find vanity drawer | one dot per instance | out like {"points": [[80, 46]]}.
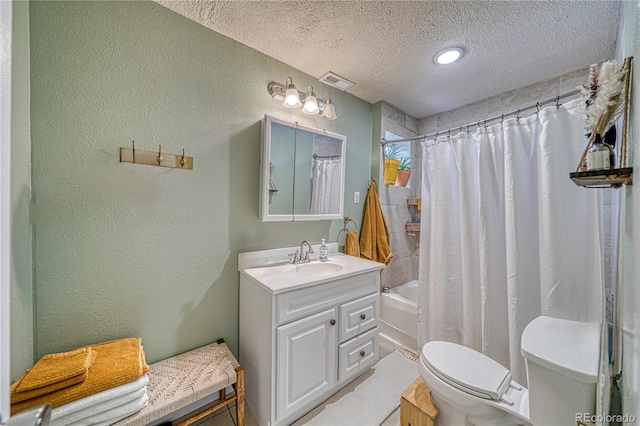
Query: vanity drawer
{"points": [[359, 316], [299, 303], [357, 354]]}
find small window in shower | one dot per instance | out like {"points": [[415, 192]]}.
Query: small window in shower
{"points": [[397, 156]]}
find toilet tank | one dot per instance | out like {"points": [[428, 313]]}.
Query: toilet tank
{"points": [[562, 359]]}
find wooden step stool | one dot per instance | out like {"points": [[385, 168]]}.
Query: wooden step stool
{"points": [[416, 407], [179, 385]]}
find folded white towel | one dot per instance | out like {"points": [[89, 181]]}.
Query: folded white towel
{"points": [[99, 408], [111, 416], [98, 398], [114, 421]]}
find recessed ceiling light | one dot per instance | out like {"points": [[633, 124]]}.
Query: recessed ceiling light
{"points": [[448, 56]]}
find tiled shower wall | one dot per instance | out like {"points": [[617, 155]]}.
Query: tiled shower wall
{"points": [[393, 199]]}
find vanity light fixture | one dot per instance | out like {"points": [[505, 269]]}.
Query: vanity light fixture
{"points": [[292, 98], [448, 56], [310, 102]]}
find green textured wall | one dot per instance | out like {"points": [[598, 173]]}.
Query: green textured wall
{"points": [[135, 250], [21, 272]]}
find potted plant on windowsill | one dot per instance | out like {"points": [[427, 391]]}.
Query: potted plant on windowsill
{"points": [[404, 171], [391, 162]]}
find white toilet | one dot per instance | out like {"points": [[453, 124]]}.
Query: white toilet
{"points": [[562, 359]]}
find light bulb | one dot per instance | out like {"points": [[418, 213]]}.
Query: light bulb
{"points": [[310, 103], [291, 97]]}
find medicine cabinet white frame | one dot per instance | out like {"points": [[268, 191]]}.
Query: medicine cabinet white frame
{"points": [[265, 172]]}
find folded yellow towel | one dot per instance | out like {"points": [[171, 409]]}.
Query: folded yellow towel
{"points": [[374, 242], [52, 373], [117, 362], [54, 368], [352, 245]]}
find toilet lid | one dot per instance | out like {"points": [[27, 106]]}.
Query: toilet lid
{"points": [[466, 369]]}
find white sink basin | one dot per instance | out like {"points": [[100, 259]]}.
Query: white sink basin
{"points": [[284, 277], [316, 268]]}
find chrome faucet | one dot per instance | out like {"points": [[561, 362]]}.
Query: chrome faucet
{"points": [[304, 257], [300, 256]]}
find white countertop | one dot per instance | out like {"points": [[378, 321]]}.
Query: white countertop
{"points": [[278, 277]]}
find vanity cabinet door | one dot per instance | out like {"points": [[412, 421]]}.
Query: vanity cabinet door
{"points": [[306, 361]]}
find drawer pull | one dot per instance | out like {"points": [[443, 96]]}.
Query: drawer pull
{"points": [[362, 354], [362, 316], [332, 322]]}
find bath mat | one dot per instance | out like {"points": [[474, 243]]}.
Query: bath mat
{"points": [[373, 399]]}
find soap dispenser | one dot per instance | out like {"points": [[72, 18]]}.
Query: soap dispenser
{"points": [[324, 251]]}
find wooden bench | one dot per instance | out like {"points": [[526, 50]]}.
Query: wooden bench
{"points": [[188, 387]]}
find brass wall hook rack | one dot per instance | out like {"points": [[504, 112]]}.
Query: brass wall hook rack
{"points": [[155, 158]]}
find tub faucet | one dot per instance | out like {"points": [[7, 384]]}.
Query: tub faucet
{"points": [[304, 257]]}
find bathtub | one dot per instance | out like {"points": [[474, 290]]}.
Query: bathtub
{"points": [[399, 315]]}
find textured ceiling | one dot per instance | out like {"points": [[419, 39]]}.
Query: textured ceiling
{"points": [[386, 47]]}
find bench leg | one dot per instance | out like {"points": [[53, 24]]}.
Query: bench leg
{"points": [[240, 396]]}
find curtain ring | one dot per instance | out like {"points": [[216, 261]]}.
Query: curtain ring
{"points": [[537, 108], [501, 118], [558, 102], [518, 115]]}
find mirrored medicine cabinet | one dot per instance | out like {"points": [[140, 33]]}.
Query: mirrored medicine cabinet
{"points": [[302, 172]]}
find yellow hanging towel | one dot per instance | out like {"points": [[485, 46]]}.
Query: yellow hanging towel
{"points": [[375, 241], [351, 244]]}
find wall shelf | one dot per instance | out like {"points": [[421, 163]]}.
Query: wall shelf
{"points": [[613, 178], [412, 227], [603, 178], [415, 202]]}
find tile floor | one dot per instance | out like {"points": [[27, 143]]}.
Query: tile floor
{"points": [[227, 416]]}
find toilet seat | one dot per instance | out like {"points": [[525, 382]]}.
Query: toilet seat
{"points": [[467, 370]]}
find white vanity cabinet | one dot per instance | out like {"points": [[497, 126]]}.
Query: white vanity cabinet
{"points": [[301, 344]]}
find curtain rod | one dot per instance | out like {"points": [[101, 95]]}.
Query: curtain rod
{"points": [[484, 122]]}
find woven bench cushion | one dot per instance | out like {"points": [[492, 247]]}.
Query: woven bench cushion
{"points": [[183, 379]]}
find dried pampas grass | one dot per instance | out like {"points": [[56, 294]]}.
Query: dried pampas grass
{"points": [[603, 96]]}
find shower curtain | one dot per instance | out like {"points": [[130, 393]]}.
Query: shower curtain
{"points": [[325, 185], [506, 235]]}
